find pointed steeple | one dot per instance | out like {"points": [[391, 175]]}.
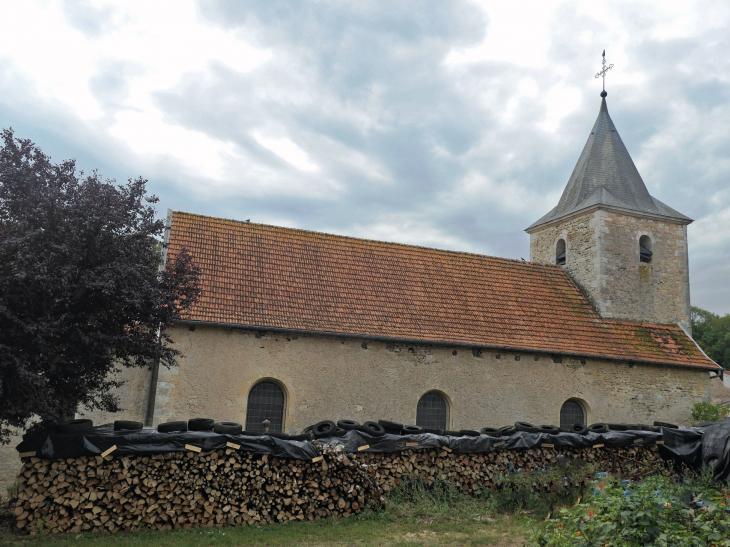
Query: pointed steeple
{"points": [[606, 175]]}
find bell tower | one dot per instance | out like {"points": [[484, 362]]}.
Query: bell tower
{"points": [[626, 249]]}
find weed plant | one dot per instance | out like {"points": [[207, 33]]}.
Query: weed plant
{"points": [[538, 492], [707, 412], [658, 511], [534, 493], [440, 501]]}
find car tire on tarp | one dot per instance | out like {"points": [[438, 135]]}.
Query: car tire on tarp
{"points": [[666, 424], [172, 427], [228, 428], [325, 428], [526, 427], [201, 424], [598, 428], [394, 428], [127, 425], [580, 429], [348, 425], [468, 433], [549, 429], [491, 431], [507, 430], [373, 428], [412, 430]]}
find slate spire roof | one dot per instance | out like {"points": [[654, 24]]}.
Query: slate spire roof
{"points": [[606, 175]]}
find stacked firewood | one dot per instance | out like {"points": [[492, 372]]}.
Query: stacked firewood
{"points": [[188, 489], [470, 472], [227, 487]]}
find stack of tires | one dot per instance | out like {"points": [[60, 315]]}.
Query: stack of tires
{"points": [[328, 428]]}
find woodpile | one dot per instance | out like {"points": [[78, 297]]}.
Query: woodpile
{"points": [[188, 489], [227, 487], [470, 472]]}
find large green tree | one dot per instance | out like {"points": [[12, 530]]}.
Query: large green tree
{"points": [[80, 289], [712, 333]]}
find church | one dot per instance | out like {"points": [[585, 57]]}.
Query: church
{"points": [[295, 326]]}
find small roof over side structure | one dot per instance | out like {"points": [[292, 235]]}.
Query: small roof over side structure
{"points": [[605, 175]]}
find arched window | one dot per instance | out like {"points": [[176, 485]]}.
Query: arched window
{"points": [[432, 411], [645, 253], [265, 402], [560, 254], [571, 413]]}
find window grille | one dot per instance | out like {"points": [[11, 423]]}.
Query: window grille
{"points": [[265, 402], [645, 253], [571, 413], [432, 411]]}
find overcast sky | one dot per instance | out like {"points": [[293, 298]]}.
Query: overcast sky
{"points": [[447, 124]]}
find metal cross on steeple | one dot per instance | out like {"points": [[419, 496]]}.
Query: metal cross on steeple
{"points": [[604, 70]]}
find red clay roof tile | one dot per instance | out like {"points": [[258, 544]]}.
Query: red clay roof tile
{"points": [[273, 277]]}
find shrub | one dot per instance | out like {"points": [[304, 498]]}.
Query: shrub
{"points": [[707, 412], [657, 511], [538, 491]]}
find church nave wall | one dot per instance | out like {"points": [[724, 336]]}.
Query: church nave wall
{"points": [[328, 377]]}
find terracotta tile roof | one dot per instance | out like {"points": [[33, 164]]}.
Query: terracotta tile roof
{"points": [[273, 277]]}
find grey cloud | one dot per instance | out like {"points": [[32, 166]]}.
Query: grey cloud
{"points": [[110, 85], [363, 89], [89, 19]]}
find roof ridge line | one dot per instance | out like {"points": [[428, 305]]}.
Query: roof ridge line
{"points": [[366, 240]]}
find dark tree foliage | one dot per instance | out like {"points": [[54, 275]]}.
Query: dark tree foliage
{"points": [[712, 333], [80, 290]]}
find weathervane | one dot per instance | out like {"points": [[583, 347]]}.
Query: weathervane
{"points": [[603, 73]]}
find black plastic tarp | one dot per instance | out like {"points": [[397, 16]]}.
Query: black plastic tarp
{"points": [[708, 444], [716, 448], [683, 447], [95, 441], [354, 441]]}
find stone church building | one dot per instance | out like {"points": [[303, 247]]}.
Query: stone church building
{"points": [[295, 326]]}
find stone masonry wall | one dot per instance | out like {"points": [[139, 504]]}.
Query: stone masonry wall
{"points": [[327, 377], [603, 257], [133, 398]]}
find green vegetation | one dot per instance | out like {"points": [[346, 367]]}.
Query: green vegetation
{"points": [[712, 333], [657, 511], [707, 412]]}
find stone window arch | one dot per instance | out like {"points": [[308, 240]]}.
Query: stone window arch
{"points": [[645, 252], [572, 412], [432, 411], [266, 401], [561, 252]]}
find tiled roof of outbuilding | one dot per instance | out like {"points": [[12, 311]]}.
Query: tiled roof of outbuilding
{"points": [[271, 277]]}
